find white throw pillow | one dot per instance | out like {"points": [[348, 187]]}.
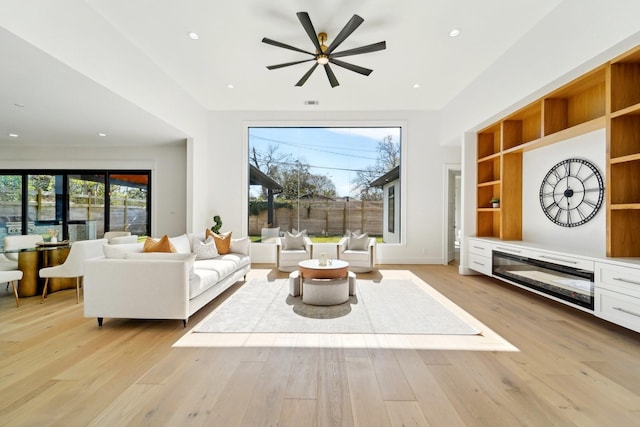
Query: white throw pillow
{"points": [[358, 242], [181, 243], [292, 242], [241, 245], [206, 249]]}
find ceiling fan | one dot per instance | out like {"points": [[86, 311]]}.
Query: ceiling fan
{"points": [[325, 54]]}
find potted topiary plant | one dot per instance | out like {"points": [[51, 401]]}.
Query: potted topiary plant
{"points": [[218, 224], [495, 202]]}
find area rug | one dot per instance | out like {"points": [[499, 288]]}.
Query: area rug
{"points": [[389, 306]]}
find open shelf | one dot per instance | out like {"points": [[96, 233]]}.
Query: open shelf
{"points": [[579, 102], [625, 182], [489, 141], [522, 127], [625, 81]]}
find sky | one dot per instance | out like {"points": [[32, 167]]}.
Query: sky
{"points": [[337, 152]]}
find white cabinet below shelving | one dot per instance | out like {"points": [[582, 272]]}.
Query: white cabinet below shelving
{"points": [[617, 295]]}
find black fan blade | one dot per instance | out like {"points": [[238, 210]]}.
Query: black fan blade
{"points": [[274, 67], [363, 49], [351, 26], [306, 76], [304, 19], [331, 76], [356, 68], [285, 46]]}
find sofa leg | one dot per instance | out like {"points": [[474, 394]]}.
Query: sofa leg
{"points": [[184, 323], [100, 319]]}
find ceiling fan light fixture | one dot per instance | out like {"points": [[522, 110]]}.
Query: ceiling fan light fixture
{"points": [[322, 59]]}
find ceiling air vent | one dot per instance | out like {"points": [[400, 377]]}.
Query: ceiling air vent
{"points": [[311, 102]]}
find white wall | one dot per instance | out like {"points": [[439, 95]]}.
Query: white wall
{"points": [[421, 175], [167, 165], [588, 238]]}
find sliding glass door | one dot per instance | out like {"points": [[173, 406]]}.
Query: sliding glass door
{"points": [[74, 205]]}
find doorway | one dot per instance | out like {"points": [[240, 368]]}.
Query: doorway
{"points": [[452, 214]]}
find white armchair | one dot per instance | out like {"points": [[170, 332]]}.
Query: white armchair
{"points": [[359, 252], [290, 250]]}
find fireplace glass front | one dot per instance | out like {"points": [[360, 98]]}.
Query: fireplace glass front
{"points": [[566, 283]]}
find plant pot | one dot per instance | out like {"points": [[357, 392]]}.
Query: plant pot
{"points": [[496, 205]]}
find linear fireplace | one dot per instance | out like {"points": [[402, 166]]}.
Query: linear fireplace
{"points": [[566, 283]]}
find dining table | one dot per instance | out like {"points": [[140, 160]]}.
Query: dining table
{"points": [[31, 260]]}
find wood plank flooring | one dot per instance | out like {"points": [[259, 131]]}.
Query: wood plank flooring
{"points": [[59, 369]]}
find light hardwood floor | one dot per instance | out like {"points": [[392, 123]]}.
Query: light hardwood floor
{"points": [[58, 368]]}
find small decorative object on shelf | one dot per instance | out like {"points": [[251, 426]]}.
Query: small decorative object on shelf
{"points": [[50, 236], [495, 202]]}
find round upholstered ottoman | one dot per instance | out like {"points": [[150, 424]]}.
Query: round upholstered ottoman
{"points": [[325, 291]]}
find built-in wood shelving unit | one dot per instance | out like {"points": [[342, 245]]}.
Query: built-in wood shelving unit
{"points": [[623, 159], [607, 97]]}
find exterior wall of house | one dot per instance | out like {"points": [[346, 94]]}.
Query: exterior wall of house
{"points": [[391, 226]]}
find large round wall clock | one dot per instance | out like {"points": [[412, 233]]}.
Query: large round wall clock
{"points": [[571, 192]]}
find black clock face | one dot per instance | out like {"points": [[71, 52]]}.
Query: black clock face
{"points": [[571, 193]]}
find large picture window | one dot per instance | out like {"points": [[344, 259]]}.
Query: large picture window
{"points": [[319, 180]]}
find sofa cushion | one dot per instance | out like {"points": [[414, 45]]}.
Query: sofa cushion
{"points": [[158, 245], [293, 241], [206, 249], [358, 242], [181, 243], [167, 256], [223, 267], [201, 281], [223, 242], [120, 251]]}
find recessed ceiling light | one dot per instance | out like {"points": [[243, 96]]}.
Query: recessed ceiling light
{"points": [[230, 86], [102, 134], [416, 86], [14, 135], [454, 33], [193, 36]]}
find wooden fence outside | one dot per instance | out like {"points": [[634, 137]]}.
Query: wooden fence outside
{"points": [[324, 217]]}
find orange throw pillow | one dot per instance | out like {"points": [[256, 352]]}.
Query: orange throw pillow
{"points": [[155, 245], [223, 242]]}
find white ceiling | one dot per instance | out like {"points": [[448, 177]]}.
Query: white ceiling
{"points": [[64, 106]]}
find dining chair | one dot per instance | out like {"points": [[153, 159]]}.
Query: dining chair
{"points": [[22, 241], [7, 264], [73, 266], [12, 277]]}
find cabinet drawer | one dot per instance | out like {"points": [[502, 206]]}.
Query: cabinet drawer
{"points": [[480, 248], [620, 279], [480, 264], [618, 308]]}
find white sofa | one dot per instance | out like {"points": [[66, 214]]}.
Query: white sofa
{"points": [[127, 283]]}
